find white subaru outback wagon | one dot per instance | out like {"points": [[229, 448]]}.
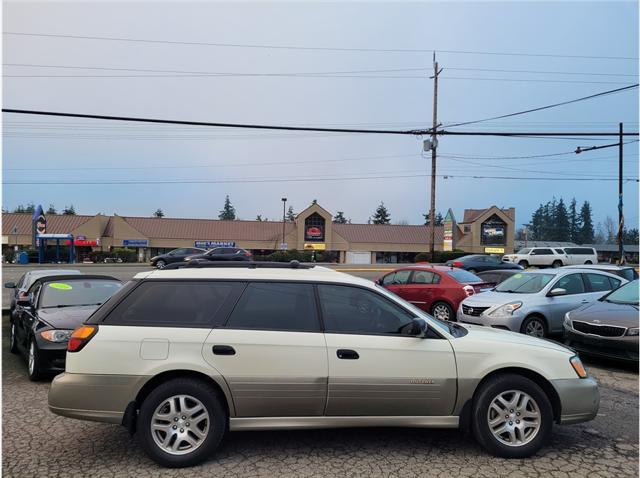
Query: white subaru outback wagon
{"points": [[184, 354]]}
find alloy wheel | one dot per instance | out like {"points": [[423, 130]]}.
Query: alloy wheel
{"points": [[160, 264], [12, 337], [535, 328], [180, 424], [514, 418], [441, 312], [32, 357]]}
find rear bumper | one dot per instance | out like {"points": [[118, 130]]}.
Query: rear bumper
{"points": [[579, 399], [102, 398]]}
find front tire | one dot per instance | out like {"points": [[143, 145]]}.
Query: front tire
{"points": [[523, 264], [442, 311], [589, 262], [534, 326], [34, 366], [556, 264], [512, 416], [161, 264], [181, 422]]}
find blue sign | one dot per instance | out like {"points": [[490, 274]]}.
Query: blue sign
{"points": [[135, 242], [209, 244]]}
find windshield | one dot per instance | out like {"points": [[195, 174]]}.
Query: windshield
{"points": [[627, 294], [524, 283], [463, 276], [68, 293], [523, 251]]}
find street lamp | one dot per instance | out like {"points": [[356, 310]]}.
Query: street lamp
{"points": [[284, 205], [526, 233]]}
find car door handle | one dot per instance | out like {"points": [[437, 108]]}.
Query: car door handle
{"points": [[346, 354], [223, 350]]}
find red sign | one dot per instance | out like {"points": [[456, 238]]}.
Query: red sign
{"points": [[314, 232], [78, 242]]}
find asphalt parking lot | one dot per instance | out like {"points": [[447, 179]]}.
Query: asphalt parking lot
{"points": [[38, 443]]}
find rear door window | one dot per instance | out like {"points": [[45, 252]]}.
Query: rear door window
{"points": [[276, 306], [572, 283], [423, 277], [197, 304], [599, 282]]}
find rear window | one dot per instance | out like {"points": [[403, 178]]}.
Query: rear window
{"points": [[176, 304], [629, 274], [463, 276]]}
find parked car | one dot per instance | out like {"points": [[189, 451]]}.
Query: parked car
{"points": [[552, 257], [222, 254], [497, 276], [626, 272], [607, 327], [534, 302], [438, 290], [481, 262], [176, 255], [28, 278], [206, 349], [45, 318]]}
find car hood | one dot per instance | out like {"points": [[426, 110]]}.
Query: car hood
{"points": [[607, 313], [66, 317], [491, 298], [494, 336]]}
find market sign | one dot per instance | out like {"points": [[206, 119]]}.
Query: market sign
{"points": [[82, 242], [315, 247], [494, 250], [211, 244], [135, 242], [448, 231]]}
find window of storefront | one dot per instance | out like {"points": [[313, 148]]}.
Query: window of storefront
{"points": [[395, 257], [493, 232], [314, 227]]}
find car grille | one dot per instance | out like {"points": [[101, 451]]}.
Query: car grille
{"points": [[602, 330], [473, 311]]}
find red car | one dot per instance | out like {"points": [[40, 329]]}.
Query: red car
{"points": [[437, 290]]}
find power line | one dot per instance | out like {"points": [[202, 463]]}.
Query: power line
{"points": [[596, 95], [312, 48]]}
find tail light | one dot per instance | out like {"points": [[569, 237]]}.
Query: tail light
{"points": [[247, 253], [457, 264], [468, 290], [80, 337]]}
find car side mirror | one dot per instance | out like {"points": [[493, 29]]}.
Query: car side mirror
{"points": [[378, 281], [416, 328], [10, 285], [557, 292]]}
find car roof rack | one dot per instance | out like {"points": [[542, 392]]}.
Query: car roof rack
{"points": [[205, 264]]}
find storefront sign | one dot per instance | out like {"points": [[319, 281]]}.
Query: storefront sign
{"points": [[82, 242], [135, 242], [314, 247], [283, 246], [210, 244], [448, 232], [314, 227], [494, 250]]}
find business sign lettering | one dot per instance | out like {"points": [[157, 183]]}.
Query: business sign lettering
{"points": [[135, 242], [211, 244]]}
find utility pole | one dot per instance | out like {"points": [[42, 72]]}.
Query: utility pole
{"points": [[620, 214], [284, 205], [432, 210]]}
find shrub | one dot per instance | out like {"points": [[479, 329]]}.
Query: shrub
{"points": [[124, 253]]}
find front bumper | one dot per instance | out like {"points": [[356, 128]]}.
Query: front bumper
{"points": [[52, 355], [512, 323], [579, 399], [101, 398], [620, 348]]}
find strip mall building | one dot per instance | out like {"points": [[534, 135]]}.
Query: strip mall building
{"points": [[488, 230]]}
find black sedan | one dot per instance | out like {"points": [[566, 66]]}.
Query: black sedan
{"points": [[481, 262], [607, 327], [496, 275], [222, 254], [176, 255], [53, 308]]}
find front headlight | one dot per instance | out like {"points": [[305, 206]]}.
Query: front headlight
{"points": [[505, 311], [567, 320], [187, 259], [56, 335], [633, 332]]}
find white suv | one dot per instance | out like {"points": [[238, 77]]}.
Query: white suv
{"points": [[182, 355], [552, 256]]}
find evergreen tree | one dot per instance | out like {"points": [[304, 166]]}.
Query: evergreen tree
{"points": [[291, 216], [538, 223], [630, 236], [31, 208], [69, 211], [158, 213], [339, 218], [381, 215], [52, 209], [228, 212], [19, 209], [562, 229], [439, 220], [586, 224], [574, 221]]}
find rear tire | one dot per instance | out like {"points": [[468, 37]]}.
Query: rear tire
{"points": [[526, 424], [524, 264], [443, 311], [161, 264], [195, 437], [589, 262], [534, 326]]}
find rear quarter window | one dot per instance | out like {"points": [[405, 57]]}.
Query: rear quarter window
{"points": [[196, 304]]}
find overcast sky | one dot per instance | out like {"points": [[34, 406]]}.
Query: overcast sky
{"points": [[50, 149]]}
